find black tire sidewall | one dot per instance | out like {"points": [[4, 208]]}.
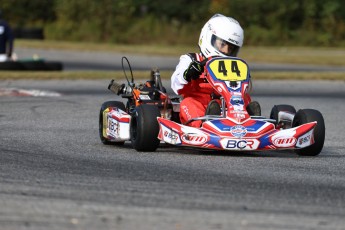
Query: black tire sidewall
{"points": [[144, 128], [277, 108], [304, 116]]}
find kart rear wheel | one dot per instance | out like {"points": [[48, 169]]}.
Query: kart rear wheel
{"points": [[254, 108], [304, 116], [144, 128], [278, 108], [104, 106]]}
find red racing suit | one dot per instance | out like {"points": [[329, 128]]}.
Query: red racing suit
{"points": [[196, 94]]}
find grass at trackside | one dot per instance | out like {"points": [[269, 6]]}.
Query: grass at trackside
{"points": [[286, 55], [76, 75], [258, 75], [145, 75], [57, 75], [295, 55], [83, 46]]}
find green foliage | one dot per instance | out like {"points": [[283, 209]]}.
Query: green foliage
{"points": [[291, 22], [28, 13], [86, 20], [266, 22]]}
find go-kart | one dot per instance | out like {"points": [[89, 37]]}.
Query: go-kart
{"points": [[151, 116], [137, 120]]}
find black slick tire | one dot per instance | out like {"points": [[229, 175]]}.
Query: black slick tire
{"points": [[305, 116], [277, 108], [144, 128]]}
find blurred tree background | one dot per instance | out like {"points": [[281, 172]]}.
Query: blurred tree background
{"points": [[266, 22]]}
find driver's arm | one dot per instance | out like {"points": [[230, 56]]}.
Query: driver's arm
{"points": [[177, 79]]}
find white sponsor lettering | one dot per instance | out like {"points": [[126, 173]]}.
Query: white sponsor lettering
{"points": [[194, 138], [118, 130], [284, 142], [305, 140], [113, 127], [241, 144], [144, 97], [185, 109], [170, 136]]}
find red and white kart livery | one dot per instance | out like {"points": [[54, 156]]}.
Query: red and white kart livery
{"points": [[234, 129]]}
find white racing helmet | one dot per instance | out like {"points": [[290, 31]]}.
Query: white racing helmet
{"points": [[221, 27]]}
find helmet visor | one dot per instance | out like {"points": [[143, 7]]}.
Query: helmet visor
{"points": [[224, 47]]}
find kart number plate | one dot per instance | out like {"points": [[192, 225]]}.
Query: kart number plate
{"points": [[229, 69]]}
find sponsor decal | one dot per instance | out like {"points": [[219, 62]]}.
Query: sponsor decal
{"points": [[116, 129], [238, 112], [284, 142], [237, 103], [194, 138], [236, 100], [144, 97], [239, 116], [113, 127], [305, 140], [244, 144], [210, 28], [185, 110], [233, 41], [235, 34], [170, 136], [238, 131]]}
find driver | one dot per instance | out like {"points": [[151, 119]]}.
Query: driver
{"points": [[221, 36]]}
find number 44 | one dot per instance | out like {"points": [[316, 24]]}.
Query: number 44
{"points": [[234, 68]]}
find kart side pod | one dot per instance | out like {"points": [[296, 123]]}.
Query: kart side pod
{"points": [[116, 125]]}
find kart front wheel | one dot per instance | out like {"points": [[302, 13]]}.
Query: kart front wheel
{"points": [[101, 125], [278, 108], [144, 128], [304, 116]]}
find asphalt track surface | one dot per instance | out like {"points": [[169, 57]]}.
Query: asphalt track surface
{"points": [[56, 174]]}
